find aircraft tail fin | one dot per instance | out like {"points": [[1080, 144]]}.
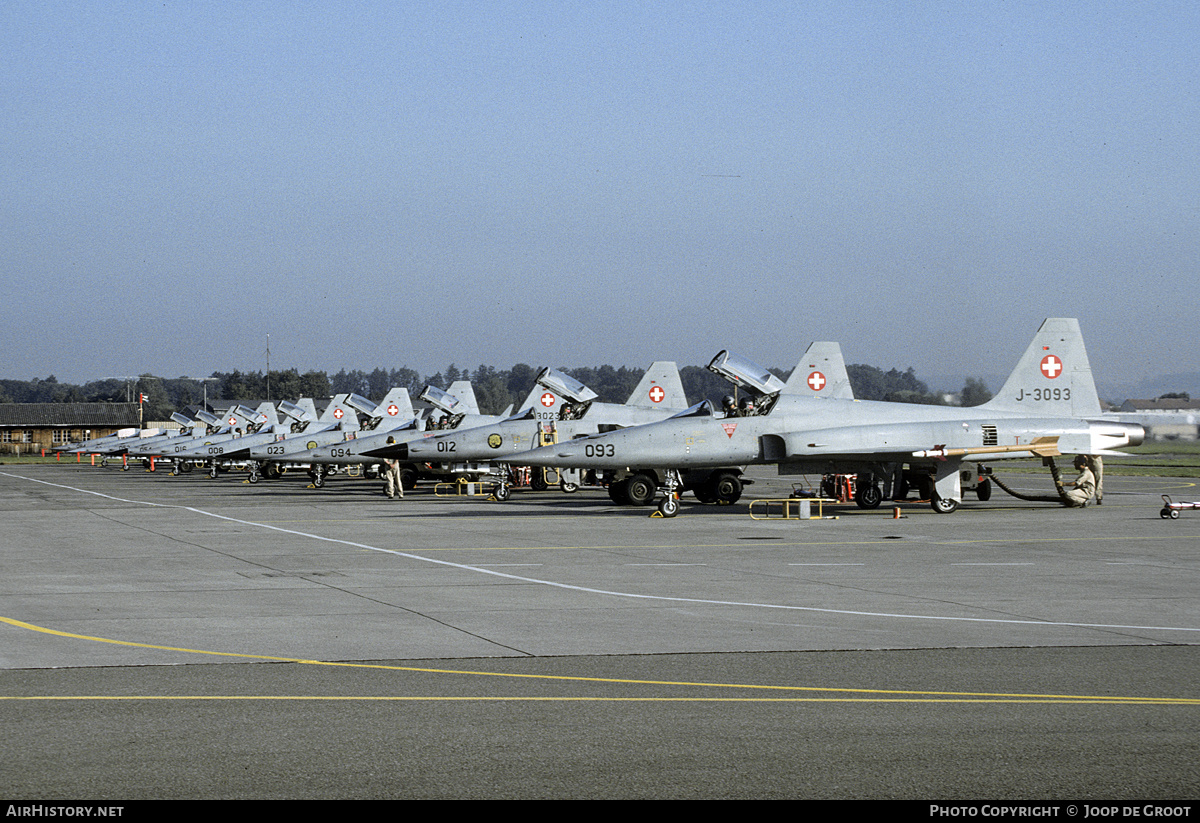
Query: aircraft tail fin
{"points": [[821, 372], [266, 415], [463, 391], [541, 399], [339, 411], [1053, 377], [660, 388], [307, 405], [395, 409]]}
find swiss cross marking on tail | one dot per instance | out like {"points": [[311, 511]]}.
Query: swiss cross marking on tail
{"points": [[1051, 366]]}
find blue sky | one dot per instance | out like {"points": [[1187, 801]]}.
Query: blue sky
{"points": [[576, 183]]}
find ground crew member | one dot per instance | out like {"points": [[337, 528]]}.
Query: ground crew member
{"points": [[1096, 464], [1084, 486], [391, 472]]}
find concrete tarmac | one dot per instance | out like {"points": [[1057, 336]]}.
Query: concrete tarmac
{"points": [[187, 637]]}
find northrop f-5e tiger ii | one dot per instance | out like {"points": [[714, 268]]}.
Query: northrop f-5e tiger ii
{"points": [[1048, 407]]}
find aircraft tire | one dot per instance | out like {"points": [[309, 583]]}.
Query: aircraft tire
{"points": [[408, 478], [868, 496], [568, 488], [669, 507], [704, 494], [537, 481], [726, 488], [617, 492], [252, 477], [502, 492], [984, 491], [943, 505], [640, 489]]}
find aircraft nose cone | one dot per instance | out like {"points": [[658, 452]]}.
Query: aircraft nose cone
{"points": [[402, 451]]}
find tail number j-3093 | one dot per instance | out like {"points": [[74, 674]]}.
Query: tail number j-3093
{"points": [[1045, 394]]}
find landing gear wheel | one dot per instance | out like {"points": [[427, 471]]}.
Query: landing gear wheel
{"points": [[537, 481], [567, 487], [104, 462], [212, 472], [726, 488], [868, 496], [252, 477], [704, 494], [984, 491], [669, 507], [501, 492], [175, 471], [319, 480], [944, 505], [925, 488], [617, 492], [408, 479], [640, 490]]}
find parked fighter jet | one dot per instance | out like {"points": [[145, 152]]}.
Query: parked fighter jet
{"points": [[821, 372], [93, 445], [223, 454], [657, 396], [448, 410], [1048, 407], [238, 420], [393, 412], [116, 446]]}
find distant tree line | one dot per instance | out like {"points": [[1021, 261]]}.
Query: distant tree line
{"points": [[495, 389]]}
